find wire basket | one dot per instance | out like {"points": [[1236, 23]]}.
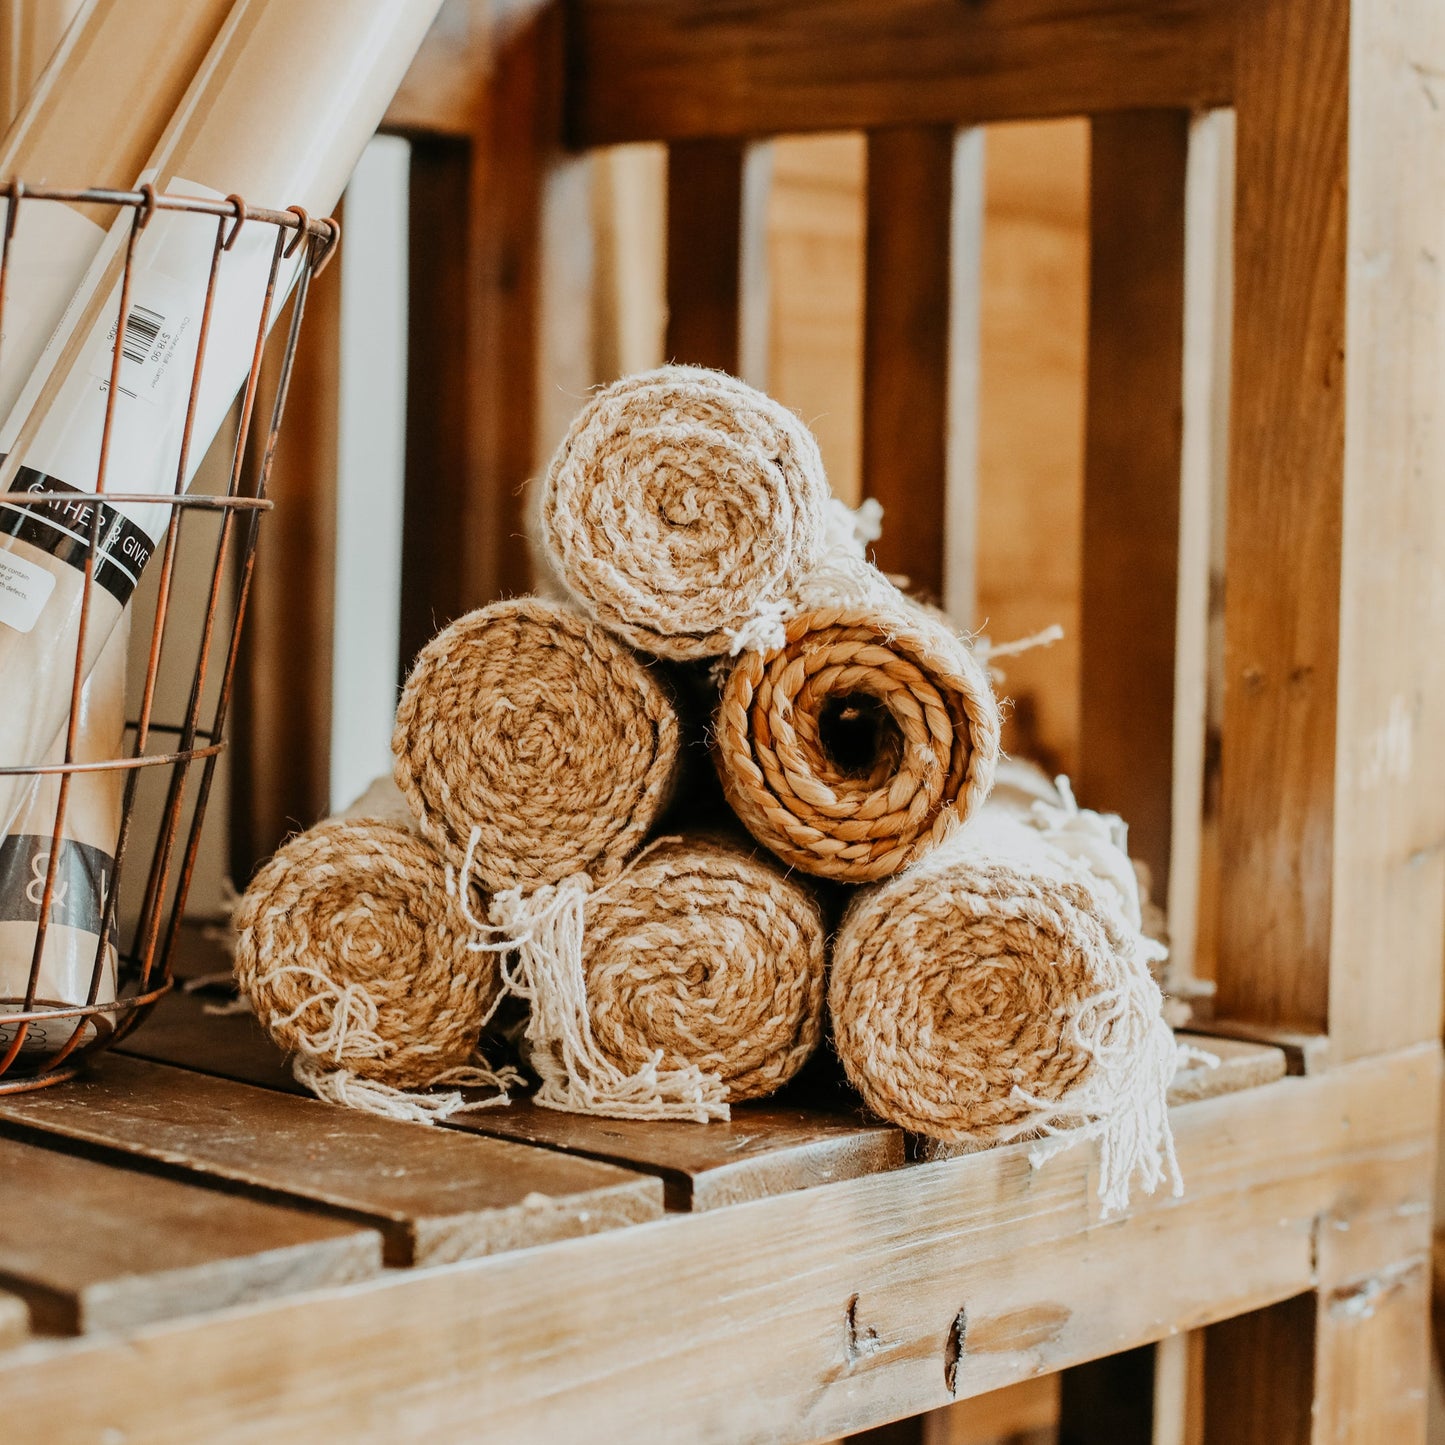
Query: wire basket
{"points": [[88, 924]]}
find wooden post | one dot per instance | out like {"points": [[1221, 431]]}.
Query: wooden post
{"points": [[1333, 788], [704, 239], [905, 347], [1131, 473]]}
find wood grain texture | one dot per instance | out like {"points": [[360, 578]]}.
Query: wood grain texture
{"points": [[1333, 801], [905, 348], [92, 1247], [1259, 1373], [442, 92], [796, 1318], [1131, 474], [766, 1149], [435, 1196], [669, 69], [704, 239]]}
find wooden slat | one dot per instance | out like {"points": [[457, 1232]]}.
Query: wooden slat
{"points": [[281, 749], [905, 348], [1241, 1065], [1248, 1405], [670, 69], [766, 1149], [704, 239], [91, 1247], [439, 1196], [442, 91], [1131, 474], [14, 1320], [1333, 806], [797, 1318]]}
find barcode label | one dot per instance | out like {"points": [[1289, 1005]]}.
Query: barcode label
{"points": [[142, 327]]}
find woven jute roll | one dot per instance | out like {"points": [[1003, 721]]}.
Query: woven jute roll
{"points": [[1000, 989], [861, 743], [681, 510], [702, 955], [531, 745], [355, 960]]}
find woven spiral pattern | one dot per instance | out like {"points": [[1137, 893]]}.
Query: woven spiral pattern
{"points": [[349, 950], [712, 956], [973, 978], [929, 766], [682, 506], [531, 724]]}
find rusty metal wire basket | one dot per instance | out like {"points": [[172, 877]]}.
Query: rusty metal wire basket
{"points": [[121, 899]]}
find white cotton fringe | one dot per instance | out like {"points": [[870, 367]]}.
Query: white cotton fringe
{"points": [[540, 935], [350, 1032], [1124, 1102]]}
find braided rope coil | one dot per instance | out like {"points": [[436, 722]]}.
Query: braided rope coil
{"points": [[928, 767], [534, 745], [353, 958], [711, 956], [681, 510]]}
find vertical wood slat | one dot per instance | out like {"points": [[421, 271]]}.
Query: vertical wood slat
{"points": [[1333, 789], [704, 252], [1134, 420], [281, 758], [905, 347], [1259, 1376], [488, 331]]}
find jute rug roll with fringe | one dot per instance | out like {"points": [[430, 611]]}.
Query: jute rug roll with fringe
{"points": [[681, 510], [861, 743], [710, 957], [1000, 989], [532, 745], [354, 959]]}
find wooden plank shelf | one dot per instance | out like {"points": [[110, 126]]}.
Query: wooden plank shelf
{"points": [[435, 1197], [92, 1247]]}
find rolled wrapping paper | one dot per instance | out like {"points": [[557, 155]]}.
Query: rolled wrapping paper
{"points": [[285, 101], [354, 959], [1000, 990], [72, 971], [860, 744], [681, 510], [532, 746], [702, 955]]}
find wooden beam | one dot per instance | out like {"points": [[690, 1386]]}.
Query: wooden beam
{"points": [[800, 1317], [704, 241], [1333, 791], [1133, 431], [905, 348], [444, 88], [675, 69]]}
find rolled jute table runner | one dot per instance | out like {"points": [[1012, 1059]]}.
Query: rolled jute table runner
{"points": [[701, 955], [536, 752], [1000, 989], [682, 509], [355, 960]]}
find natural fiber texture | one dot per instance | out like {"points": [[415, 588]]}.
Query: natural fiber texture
{"points": [[1001, 990], [533, 744], [862, 743], [708, 957], [682, 509], [354, 960]]}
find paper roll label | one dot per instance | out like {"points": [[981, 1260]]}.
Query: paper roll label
{"points": [[81, 880], [24, 588], [62, 528]]}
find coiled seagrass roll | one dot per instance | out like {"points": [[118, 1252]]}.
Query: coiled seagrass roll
{"points": [[682, 509], [1000, 989], [355, 960], [532, 744], [711, 957], [861, 743]]}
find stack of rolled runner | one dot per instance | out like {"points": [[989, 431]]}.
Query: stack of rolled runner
{"points": [[686, 519]]}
